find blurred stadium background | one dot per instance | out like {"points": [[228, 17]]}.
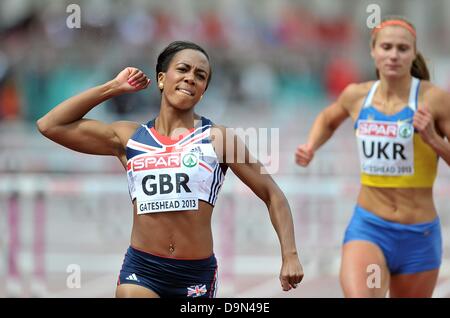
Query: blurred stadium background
{"points": [[276, 64]]}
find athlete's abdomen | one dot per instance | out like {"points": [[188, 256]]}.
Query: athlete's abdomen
{"points": [[183, 234], [402, 205]]}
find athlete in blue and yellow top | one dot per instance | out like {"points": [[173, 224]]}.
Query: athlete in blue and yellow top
{"points": [[175, 164], [402, 126]]}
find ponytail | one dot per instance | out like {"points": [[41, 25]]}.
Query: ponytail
{"points": [[419, 68]]}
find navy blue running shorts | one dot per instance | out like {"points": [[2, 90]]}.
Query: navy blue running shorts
{"points": [[169, 277]]}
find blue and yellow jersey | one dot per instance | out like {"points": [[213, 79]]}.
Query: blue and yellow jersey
{"points": [[392, 154]]}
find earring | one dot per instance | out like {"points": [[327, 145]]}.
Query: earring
{"points": [[161, 85]]}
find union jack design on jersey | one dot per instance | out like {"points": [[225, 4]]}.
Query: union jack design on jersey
{"points": [[196, 291], [142, 142], [168, 153]]}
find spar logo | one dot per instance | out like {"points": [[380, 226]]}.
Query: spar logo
{"points": [[190, 160], [377, 129], [157, 161]]}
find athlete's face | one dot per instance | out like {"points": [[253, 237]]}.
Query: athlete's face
{"points": [[186, 79], [393, 51]]}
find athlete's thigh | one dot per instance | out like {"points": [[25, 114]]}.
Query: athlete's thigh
{"points": [[417, 285], [364, 272], [134, 291]]}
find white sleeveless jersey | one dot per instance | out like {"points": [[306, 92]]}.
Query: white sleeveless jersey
{"points": [[173, 175]]}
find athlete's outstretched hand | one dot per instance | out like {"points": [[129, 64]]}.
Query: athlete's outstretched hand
{"points": [[131, 80], [291, 273], [304, 154]]}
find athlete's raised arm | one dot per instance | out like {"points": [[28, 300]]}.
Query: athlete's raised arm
{"points": [[66, 126]]}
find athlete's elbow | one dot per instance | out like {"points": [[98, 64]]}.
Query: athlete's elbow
{"points": [[328, 126], [276, 199], [43, 126]]}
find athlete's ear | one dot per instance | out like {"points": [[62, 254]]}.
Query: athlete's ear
{"points": [[372, 48], [372, 52], [161, 77]]}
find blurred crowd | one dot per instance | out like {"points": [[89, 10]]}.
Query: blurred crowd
{"points": [[265, 53]]}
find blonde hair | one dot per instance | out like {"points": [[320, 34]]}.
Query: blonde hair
{"points": [[419, 66]]}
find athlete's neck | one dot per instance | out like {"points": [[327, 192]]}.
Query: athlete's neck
{"points": [[173, 123], [392, 89]]}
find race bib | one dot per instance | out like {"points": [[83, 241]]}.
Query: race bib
{"points": [[164, 182], [386, 148]]}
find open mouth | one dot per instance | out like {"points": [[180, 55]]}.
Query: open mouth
{"points": [[185, 91]]}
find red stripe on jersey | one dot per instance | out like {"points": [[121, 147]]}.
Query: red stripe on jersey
{"points": [[167, 140], [205, 166]]}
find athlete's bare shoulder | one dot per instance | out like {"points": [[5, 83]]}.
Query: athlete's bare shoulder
{"points": [[353, 97], [429, 90], [434, 98], [356, 91], [124, 129]]}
